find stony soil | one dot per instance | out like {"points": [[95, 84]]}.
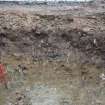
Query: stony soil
{"points": [[61, 56]]}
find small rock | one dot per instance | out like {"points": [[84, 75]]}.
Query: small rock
{"points": [[102, 76]]}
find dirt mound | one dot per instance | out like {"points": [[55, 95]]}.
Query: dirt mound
{"points": [[99, 3]]}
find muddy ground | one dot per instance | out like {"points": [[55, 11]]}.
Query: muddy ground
{"points": [[53, 56]]}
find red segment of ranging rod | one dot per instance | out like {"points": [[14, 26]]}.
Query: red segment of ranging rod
{"points": [[3, 79]]}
